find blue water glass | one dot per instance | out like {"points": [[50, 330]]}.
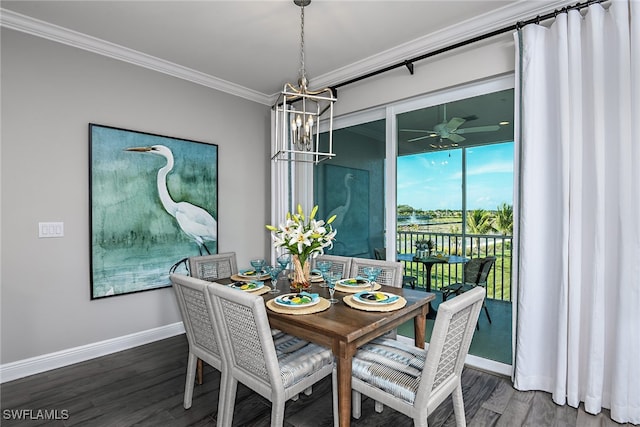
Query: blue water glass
{"points": [[284, 260], [258, 264], [332, 278], [274, 271], [324, 267], [372, 274]]}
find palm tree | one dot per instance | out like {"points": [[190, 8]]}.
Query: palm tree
{"points": [[479, 222], [503, 221]]}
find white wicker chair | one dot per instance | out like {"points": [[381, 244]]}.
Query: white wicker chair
{"points": [[340, 264], [415, 381], [391, 274], [213, 267], [276, 367], [204, 341]]}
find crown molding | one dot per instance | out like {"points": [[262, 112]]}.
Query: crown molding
{"points": [[466, 30], [36, 27]]}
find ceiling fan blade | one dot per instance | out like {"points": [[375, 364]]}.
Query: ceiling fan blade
{"points": [[418, 138], [455, 138], [489, 128], [416, 130], [454, 123]]}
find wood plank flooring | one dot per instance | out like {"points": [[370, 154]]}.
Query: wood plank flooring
{"points": [[144, 386]]}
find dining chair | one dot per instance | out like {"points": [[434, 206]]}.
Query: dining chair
{"points": [[203, 338], [211, 268], [391, 274], [276, 367], [415, 381], [339, 264], [475, 274], [381, 254]]}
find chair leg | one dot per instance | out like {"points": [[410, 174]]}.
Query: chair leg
{"points": [[308, 391], [356, 404], [189, 383], [226, 418], [458, 406], [486, 310], [334, 392], [199, 372]]}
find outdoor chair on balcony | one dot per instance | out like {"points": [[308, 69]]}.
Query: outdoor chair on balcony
{"points": [[276, 367], [475, 274], [381, 254], [203, 339], [415, 381]]}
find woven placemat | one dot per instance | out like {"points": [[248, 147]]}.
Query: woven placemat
{"points": [[370, 307], [263, 290], [320, 306], [239, 278], [352, 290]]}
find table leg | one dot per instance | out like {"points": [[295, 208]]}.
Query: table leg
{"points": [[344, 390], [431, 314], [419, 328]]}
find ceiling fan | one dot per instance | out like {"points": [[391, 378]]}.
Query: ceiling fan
{"points": [[450, 130]]}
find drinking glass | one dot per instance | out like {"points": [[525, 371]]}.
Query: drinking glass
{"points": [[284, 260], [258, 264], [372, 274], [332, 278], [274, 271], [324, 267]]}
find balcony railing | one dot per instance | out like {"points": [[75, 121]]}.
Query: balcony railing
{"points": [[471, 246]]}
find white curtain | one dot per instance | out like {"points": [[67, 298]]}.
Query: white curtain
{"points": [[578, 324]]}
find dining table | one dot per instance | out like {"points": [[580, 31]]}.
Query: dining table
{"points": [[428, 262], [344, 329]]}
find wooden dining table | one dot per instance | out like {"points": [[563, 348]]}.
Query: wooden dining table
{"points": [[343, 329]]}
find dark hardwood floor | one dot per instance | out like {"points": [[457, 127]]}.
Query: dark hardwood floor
{"points": [[145, 385]]}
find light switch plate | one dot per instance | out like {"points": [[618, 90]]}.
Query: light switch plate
{"points": [[50, 229]]}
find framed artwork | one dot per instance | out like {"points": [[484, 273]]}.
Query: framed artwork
{"points": [[153, 203], [346, 194]]}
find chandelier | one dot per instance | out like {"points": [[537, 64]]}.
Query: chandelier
{"points": [[298, 112]]}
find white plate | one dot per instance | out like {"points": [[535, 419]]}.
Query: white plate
{"points": [[282, 300], [247, 286], [388, 298], [360, 283], [250, 273]]}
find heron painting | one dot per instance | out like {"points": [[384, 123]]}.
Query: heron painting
{"points": [[153, 203]]}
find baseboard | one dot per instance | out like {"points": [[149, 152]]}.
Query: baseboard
{"points": [[481, 363], [46, 362]]}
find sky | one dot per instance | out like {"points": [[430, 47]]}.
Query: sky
{"points": [[431, 181]]}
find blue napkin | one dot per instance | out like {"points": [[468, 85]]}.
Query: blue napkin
{"points": [[313, 296]]}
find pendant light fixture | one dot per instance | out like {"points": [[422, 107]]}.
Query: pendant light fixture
{"points": [[298, 112]]}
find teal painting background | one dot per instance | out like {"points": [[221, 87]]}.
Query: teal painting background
{"points": [[134, 241]]}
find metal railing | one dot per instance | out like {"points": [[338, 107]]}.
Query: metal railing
{"points": [[470, 246]]}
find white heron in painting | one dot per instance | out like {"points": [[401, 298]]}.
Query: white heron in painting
{"points": [[341, 210], [194, 221]]}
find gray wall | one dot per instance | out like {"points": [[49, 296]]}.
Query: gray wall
{"points": [[50, 92]]}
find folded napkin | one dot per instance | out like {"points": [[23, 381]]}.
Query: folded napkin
{"points": [[313, 296]]}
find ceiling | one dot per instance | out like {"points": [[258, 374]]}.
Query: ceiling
{"points": [[251, 48]]}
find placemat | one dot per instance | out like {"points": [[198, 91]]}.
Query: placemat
{"points": [[355, 290], [320, 306], [239, 278], [370, 307]]}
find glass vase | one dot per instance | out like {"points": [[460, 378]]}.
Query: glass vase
{"points": [[301, 275]]}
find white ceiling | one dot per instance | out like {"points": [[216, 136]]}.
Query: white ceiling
{"points": [[251, 48]]}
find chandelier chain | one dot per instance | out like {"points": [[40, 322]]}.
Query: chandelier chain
{"points": [[301, 72]]}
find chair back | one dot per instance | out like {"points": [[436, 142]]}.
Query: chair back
{"points": [[249, 347], [484, 271], [380, 253], [450, 340], [213, 267], [391, 274], [339, 264], [197, 317]]}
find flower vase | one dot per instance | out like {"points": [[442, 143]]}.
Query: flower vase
{"points": [[301, 278]]}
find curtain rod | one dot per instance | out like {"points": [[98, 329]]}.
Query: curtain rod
{"points": [[409, 62]]}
